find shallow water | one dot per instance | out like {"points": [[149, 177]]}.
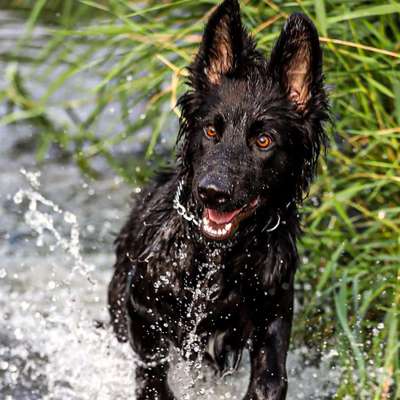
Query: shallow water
{"points": [[56, 236]]}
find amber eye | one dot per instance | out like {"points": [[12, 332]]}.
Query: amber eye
{"points": [[210, 131], [263, 141]]}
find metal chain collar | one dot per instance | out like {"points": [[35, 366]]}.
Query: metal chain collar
{"points": [[180, 208]]}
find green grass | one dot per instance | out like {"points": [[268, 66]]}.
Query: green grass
{"points": [[349, 283]]}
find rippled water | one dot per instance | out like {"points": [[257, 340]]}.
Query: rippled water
{"points": [[56, 236]]}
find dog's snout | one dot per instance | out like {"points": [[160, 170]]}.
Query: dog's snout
{"points": [[213, 193]]}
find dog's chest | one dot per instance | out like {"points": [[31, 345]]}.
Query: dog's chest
{"points": [[200, 295], [200, 302]]}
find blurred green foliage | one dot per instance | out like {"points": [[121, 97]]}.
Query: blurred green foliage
{"points": [[349, 283]]}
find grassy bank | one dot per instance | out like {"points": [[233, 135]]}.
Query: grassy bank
{"points": [[349, 283]]}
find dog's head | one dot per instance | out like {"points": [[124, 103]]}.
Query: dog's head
{"points": [[251, 128]]}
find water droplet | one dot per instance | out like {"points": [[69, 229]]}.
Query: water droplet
{"points": [[69, 218]]}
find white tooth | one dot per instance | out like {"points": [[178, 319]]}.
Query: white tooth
{"points": [[228, 227], [220, 232]]}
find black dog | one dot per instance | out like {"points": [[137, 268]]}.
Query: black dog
{"points": [[207, 259]]}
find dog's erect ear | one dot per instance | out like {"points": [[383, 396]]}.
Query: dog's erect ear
{"points": [[222, 44], [296, 60]]}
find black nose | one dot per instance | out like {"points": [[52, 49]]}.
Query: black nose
{"points": [[212, 193]]}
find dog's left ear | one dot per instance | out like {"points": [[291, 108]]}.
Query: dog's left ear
{"points": [[296, 60], [222, 46]]}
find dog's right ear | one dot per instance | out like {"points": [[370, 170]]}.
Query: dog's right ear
{"points": [[221, 48]]}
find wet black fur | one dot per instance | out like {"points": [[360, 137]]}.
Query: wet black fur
{"points": [[162, 258]]}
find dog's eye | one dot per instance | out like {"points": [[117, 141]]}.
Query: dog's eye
{"points": [[263, 141], [210, 131]]}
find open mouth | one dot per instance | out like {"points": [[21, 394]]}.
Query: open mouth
{"points": [[218, 225]]}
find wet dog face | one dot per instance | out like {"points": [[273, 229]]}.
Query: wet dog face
{"points": [[251, 127]]}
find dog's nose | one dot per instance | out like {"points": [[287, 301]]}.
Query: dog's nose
{"points": [[212, 194]]}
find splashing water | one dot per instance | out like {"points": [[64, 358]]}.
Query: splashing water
{"points": [[40, 221], [190, 378], [77, 360], [51, 346]]}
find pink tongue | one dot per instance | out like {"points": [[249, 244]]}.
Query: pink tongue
{"points": [[221, 217]]}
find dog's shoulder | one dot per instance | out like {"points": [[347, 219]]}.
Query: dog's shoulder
{"points": [[153, 222]]}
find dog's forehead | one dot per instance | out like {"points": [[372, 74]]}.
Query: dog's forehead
{"points": [[242, 99]]}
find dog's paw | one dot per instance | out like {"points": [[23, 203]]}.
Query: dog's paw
{"points": [[272, 391]]}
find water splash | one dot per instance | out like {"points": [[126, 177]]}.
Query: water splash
{"points": [[202, 295], [42, 222], [191, 377], [59, 341]]}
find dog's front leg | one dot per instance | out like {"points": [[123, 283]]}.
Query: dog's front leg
{"points": [[152, 349], [151, 383], [268, 380]]}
